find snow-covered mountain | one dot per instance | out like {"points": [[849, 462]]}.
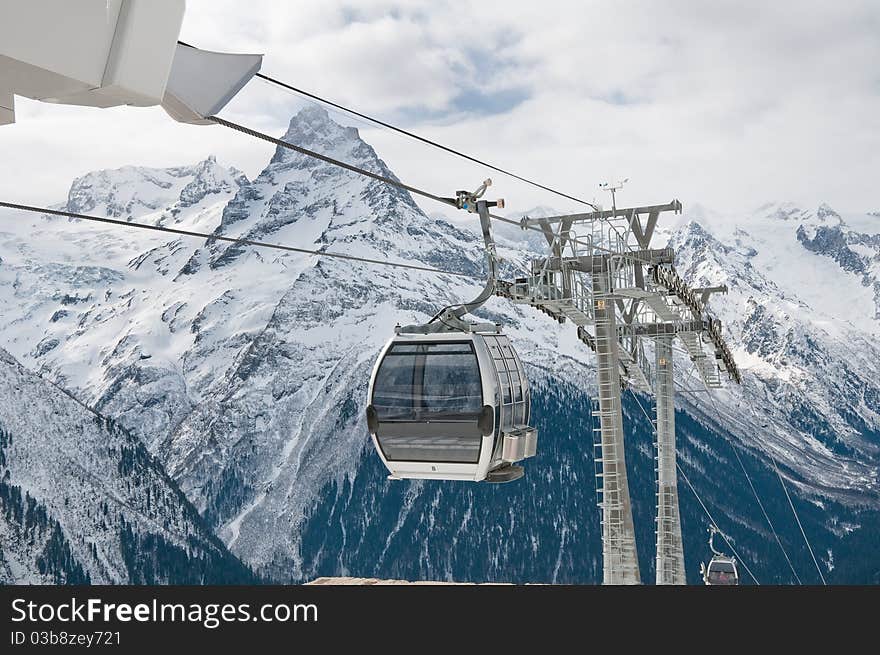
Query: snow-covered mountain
{"points": [[801, 312], [81, 499], [244, 370]]}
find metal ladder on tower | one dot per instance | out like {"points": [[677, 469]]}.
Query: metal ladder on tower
{"points": [[618, 535]]}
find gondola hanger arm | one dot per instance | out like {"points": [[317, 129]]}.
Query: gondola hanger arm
{"points": [[451, 318]]}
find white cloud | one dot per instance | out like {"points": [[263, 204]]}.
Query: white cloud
{"points": [[723, 103]]}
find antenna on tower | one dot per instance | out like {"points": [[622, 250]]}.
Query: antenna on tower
{"points": [[614, 187]]}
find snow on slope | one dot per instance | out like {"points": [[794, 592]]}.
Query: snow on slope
{"points": [[79, 301], [83, 501], [261, 449], [245, 369], [836, 282], [232, 362], [811, 390]]}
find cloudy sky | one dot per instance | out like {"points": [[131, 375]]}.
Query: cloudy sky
{"points": [[727, 104]]}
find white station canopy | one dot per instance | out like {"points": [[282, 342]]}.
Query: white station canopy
{"points": [[106, 53]]}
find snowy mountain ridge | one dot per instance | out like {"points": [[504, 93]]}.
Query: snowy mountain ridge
{"points": [[244, 370], [83, 501]]}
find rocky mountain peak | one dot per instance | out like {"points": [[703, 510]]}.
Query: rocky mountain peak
{"points": [[313, 128], [316, 121], [210, 177], [298, 198], [247, 376], [825, 212], [693, 236]]}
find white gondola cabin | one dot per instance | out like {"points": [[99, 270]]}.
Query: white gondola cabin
{"points": [[721, 569], [451, 406]]}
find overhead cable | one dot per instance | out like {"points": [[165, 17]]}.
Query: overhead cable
{"points": [[422, 139], [757, 498], [712, 521], [413, 135], [791, 505], [797, 519], [233, 240], [699, 500], [330, 160], [449, 202]]}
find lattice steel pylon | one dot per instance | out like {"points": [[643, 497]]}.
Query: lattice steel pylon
{"points": [[612, 282], [621, 563], [670, 553]]}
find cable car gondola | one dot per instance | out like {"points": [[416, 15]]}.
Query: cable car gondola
{"points": [[721, 569], [449, 400]]}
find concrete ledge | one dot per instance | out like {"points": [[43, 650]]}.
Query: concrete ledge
{"points": [[377, 581]]}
